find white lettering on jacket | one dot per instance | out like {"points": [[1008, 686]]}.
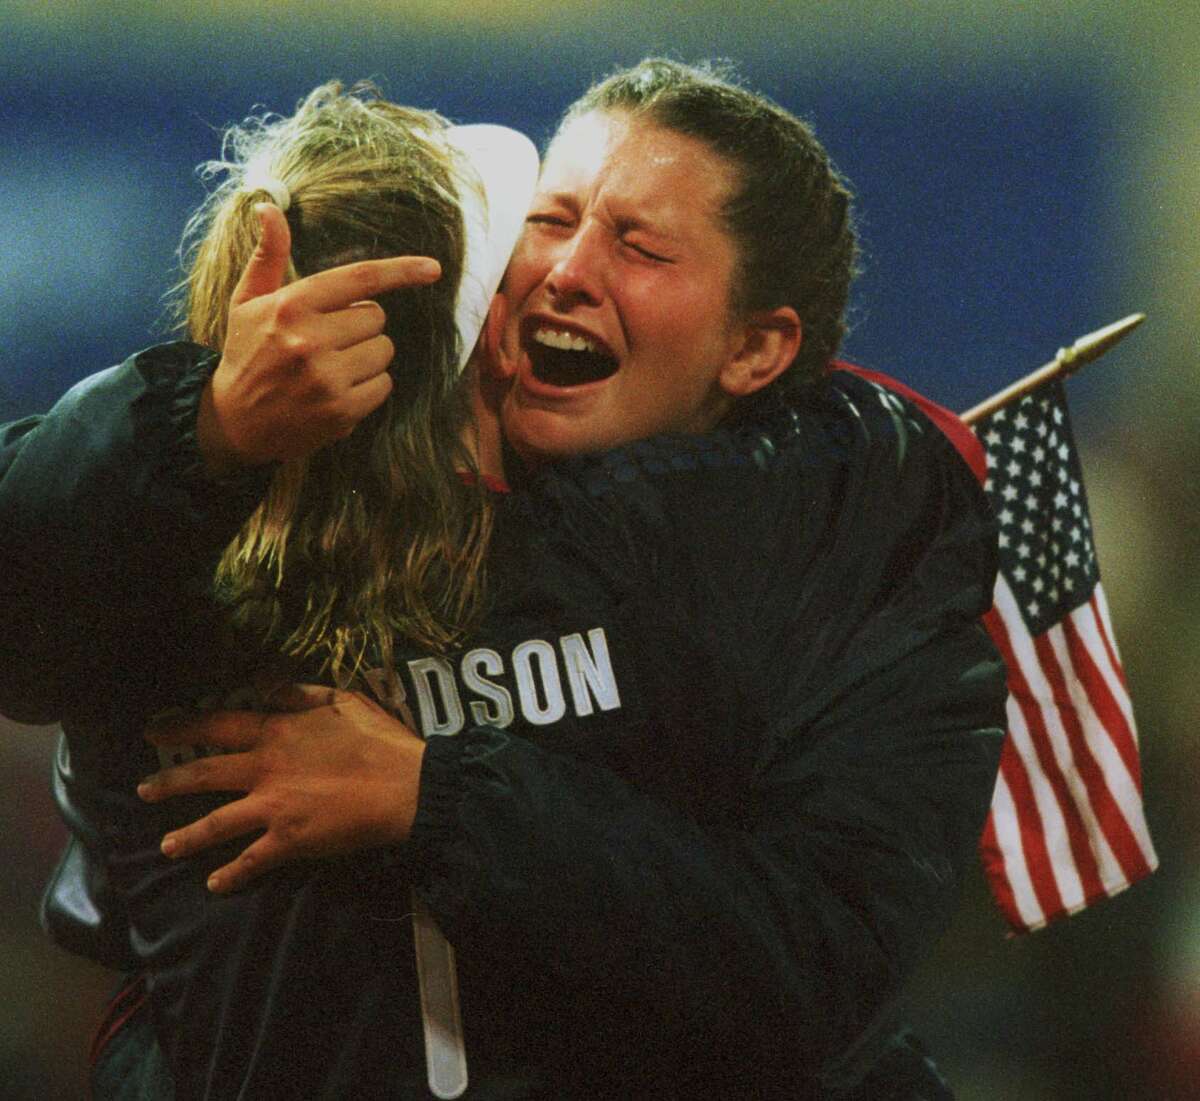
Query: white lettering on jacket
{"points": [[538, 671], [532, 684]]}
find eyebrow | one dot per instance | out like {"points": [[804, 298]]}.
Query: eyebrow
{"points": [[562, 196], [627, 223], [624, 223]]}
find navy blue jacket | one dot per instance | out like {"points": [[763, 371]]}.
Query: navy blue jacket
{"points": [[705, 786]]}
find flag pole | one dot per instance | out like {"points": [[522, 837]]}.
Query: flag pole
{"points": [[1067, 362]]}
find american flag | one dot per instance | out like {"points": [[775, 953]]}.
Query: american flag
{"points": [[1066, 826]]}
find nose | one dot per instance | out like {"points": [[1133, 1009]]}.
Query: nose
{"points": [[577, 275]]}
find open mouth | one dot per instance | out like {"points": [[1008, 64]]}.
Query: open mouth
{"points": [[562, 358]]}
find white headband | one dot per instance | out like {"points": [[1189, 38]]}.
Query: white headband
{"points": [[507, 164]]}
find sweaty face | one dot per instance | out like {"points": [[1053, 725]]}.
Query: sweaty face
{"points": [[619, 291]]}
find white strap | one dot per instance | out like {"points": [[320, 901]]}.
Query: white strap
{"points": [[493, 217], [437, 976]]}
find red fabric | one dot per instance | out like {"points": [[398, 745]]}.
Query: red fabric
{"points": [[490, 481], [125, 1003], [964, 440]]}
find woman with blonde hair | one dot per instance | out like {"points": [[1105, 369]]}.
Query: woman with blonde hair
{"points": [[190, 579], [377, 535]]}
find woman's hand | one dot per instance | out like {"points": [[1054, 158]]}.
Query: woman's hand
{"points": [[303, 363], [330, 773]]}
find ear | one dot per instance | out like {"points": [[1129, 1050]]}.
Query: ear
{"points": [[770, 340]]}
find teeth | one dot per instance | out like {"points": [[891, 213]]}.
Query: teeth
{"points": [[567, 342]]}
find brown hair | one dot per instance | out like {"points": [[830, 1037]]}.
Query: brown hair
{"points": [[790, 215], [377, 535]]}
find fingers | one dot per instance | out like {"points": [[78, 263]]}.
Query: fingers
{"points": [[222, 772], [302, 364], [302, 697], [254, 861], [338, 288], [349, 327], [233, 730], [225, 824], [268, 265], [360, 364]]}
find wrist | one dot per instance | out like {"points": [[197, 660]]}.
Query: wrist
{"points": [[403, 805], [220, 458]]}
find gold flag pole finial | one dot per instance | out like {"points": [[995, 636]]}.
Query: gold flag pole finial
{"points": [[1067, 362]]}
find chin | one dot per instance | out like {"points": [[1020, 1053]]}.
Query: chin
{"points": [[542, 436], [533, 438]]}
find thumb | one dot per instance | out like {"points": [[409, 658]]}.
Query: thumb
{"points": [[268, 266]]}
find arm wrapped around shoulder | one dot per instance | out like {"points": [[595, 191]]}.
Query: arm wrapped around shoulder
{"points": [[108, 525]]}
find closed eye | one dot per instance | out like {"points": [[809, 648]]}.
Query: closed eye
{"points": [[546, 220], [643, 251]]}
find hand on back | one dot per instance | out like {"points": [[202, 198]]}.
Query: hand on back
{"points": [[329, 772]]}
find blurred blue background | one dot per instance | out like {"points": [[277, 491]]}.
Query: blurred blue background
{"points": [[1024, 174]]}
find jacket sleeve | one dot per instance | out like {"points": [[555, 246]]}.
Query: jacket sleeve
{"points": [[835, 733], [106, 515]]}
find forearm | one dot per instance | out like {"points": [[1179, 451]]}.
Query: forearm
{"points": [[106, 513], [809, 912]]}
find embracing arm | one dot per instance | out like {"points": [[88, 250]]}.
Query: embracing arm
{"points": [[115, 503], [100, 500], [803, 908], [806, 908]]}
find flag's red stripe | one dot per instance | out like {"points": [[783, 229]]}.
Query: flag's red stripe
{"points": [[1029, 820], [1106, 809], [1039, 737], [1104, 703], [1109, 648], [1032, 832], [995, 864], [1078, 838]]}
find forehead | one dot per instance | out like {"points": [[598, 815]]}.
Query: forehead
{"points": [[620, 159]]}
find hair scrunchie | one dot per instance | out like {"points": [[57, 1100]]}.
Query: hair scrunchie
{"points": [[259, 179]]}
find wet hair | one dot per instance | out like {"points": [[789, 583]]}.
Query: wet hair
{"points": [[790, 212], [374, 537]]}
